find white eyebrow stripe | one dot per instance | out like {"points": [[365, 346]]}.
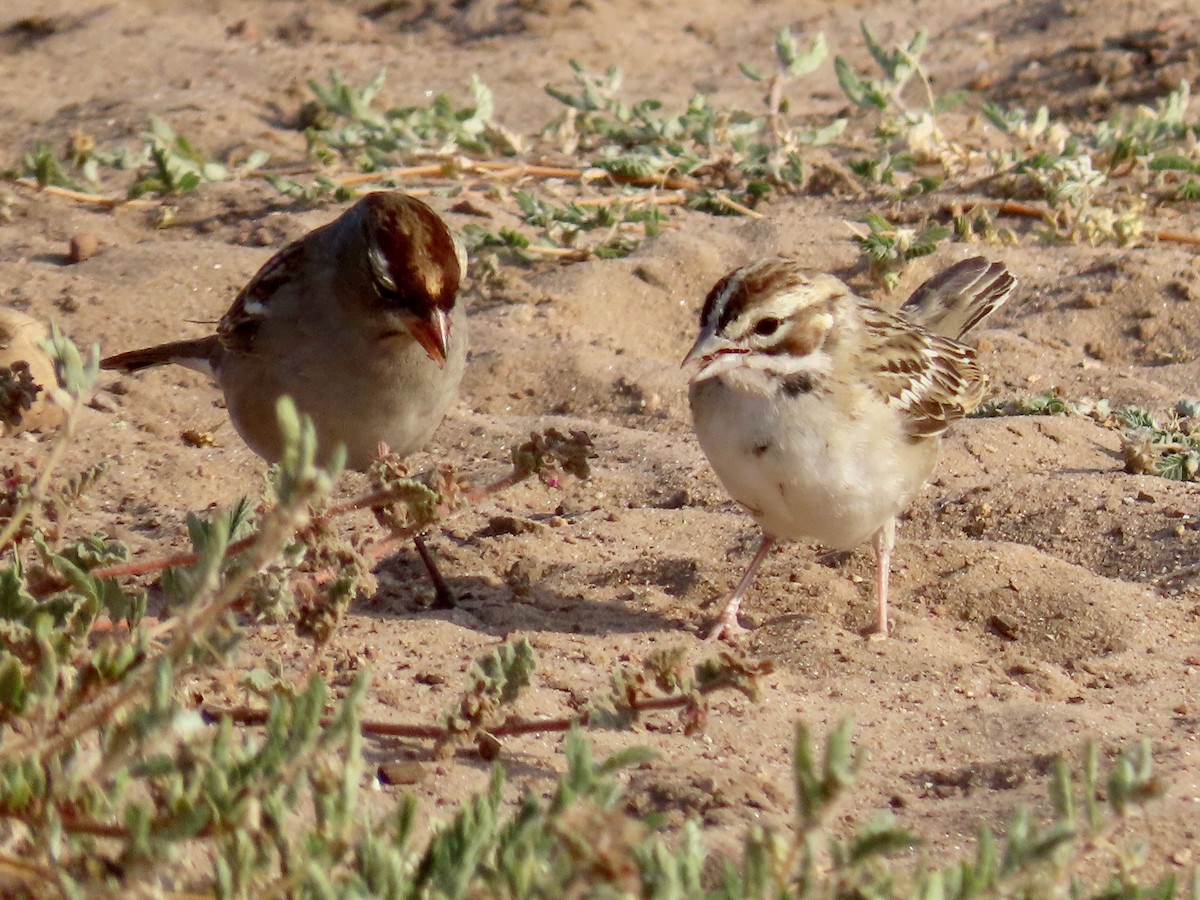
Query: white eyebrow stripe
{"points": [[380, 267]]}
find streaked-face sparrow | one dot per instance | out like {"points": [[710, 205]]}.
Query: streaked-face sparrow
{"points": [[822, 413], [358, 322]]}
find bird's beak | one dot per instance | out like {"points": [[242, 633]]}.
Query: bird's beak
{"points": [[711, 355], [696, 354], [433, 334]]}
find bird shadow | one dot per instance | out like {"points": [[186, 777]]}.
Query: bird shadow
{"points": [[497, 607], [517, 765]]}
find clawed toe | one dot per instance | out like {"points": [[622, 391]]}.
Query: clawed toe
{"points": [[726, 627]]}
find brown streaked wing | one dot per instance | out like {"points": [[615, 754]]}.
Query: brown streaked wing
{"points": [[957, 299], [240, 324], [931, 379]]}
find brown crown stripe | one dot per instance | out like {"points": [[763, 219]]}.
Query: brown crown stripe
{"points": [[418, 249], [750, 286]]}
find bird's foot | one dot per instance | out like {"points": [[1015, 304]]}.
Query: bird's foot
{"points": [[726, 626]]}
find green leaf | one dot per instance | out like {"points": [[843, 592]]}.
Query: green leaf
{"points": [[76, 374], [885, 60], [804, 63], [754, 74], [13, 692], [1173, 162], [48, 169], [880, 839], [857, 90]]}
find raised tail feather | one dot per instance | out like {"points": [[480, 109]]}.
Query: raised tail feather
{"points": [[953, 302], [195, 354]]}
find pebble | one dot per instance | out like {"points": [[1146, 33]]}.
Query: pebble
{"points": [[406, 772], [103, 402], [83, 246]]}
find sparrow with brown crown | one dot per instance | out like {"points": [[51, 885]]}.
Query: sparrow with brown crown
{"points": [[822, 413], [359, 322]]}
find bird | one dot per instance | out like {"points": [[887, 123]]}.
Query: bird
{"points": [[360, 322], [822, 413]]}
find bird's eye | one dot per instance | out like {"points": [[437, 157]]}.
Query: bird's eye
{"points": [[767, 327]]}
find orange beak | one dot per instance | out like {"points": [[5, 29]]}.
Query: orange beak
{"points": [[433, 334]]}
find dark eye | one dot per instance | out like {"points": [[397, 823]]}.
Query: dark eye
{"points": [[767, 327]]}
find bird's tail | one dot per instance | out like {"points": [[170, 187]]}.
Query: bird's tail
{"points": [[198, 353], [953, 302]]}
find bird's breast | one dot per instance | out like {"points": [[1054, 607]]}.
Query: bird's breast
{"points": [[820, 465]]}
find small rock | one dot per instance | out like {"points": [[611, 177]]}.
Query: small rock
{"points": [[1147, 329], [488, 746], [674, 500], [103, 402], [1002, 627], [261, 237], [504, 525], [244, 29], [406, 772], [83, 246]]}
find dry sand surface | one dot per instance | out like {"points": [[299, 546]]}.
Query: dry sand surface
{"points": [[1031, 520]]}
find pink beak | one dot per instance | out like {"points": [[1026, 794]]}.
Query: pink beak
{"points": [[433, 334]]}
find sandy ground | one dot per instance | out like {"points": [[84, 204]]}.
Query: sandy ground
{"points": [[1031, 520]]}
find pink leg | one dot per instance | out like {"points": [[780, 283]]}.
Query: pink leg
{"points": [[884, 541], [727, 623]]}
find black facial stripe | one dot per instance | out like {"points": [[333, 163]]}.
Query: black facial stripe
{"points": [[733, 306], [740, 289], [797, 336]]}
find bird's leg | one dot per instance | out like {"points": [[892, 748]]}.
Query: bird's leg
{"points": [[883, 542], [727, 623], [443, 598]]}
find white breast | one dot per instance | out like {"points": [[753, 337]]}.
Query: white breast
{"points": [[830, 467]]}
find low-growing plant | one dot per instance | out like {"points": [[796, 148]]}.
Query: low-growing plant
{"points": [[889, 248], [897, 68], [1167, 447], [602, 174], [111, 773], [343, 121], [114, 779]]}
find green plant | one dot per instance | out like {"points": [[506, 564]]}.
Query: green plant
{"points": [[343, 122], [897, 67], [1047, 404], [177, 167], [44, 166], [889, 248], [1169, 449], [111, 775]]}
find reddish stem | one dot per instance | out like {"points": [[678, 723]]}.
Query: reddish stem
{"points": [[510, 727]]}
